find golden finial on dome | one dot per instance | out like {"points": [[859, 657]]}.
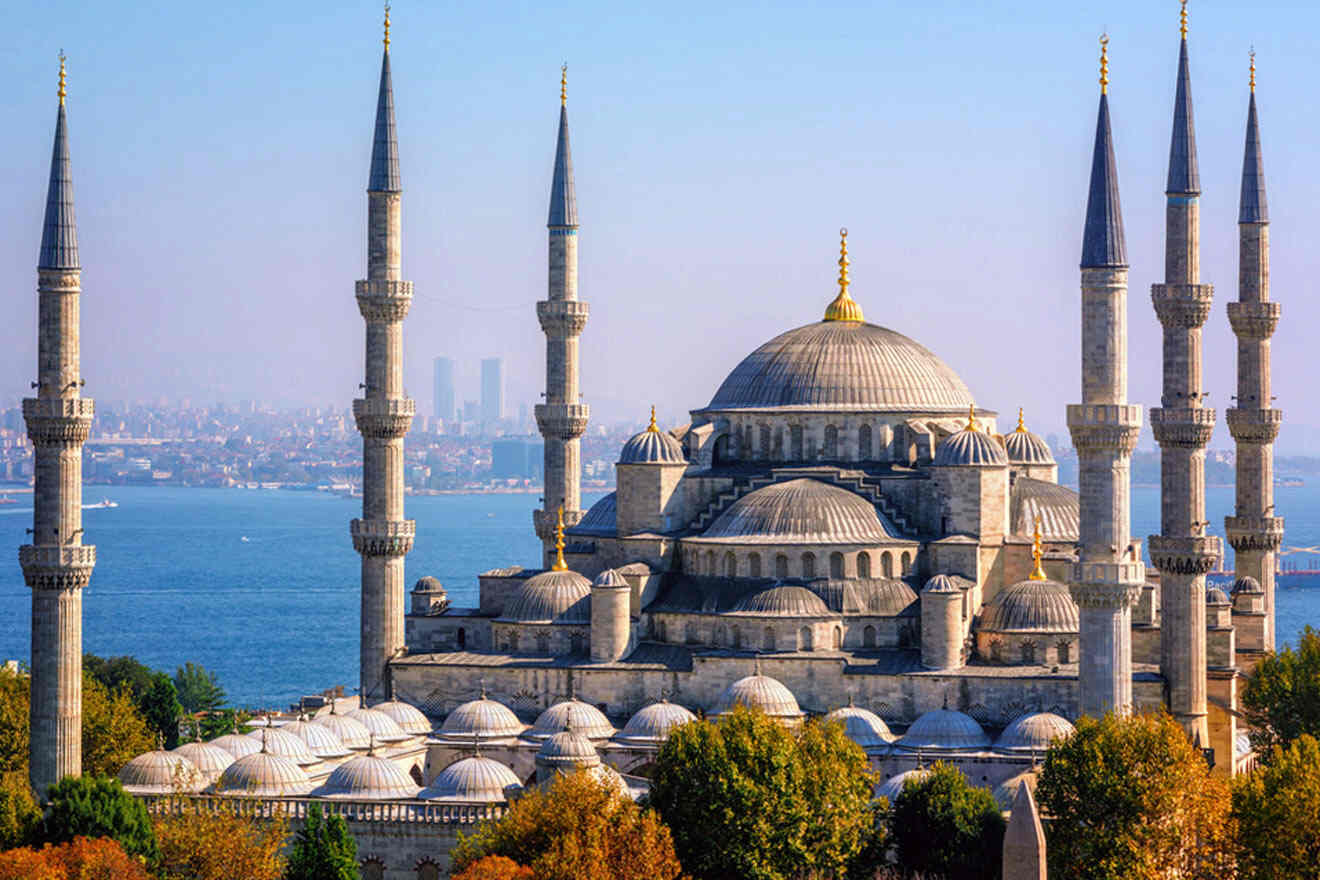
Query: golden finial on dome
{"points": [[1037, 573], [1253, 69], [563, 85], [387, 27], [1182, 20], [971, 418], [560, 564], [62, 90], [1104, 64], [844, 307], [653, 428], [1022, 425]]}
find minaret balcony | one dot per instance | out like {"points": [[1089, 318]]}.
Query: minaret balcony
{"points": [[1112, 585], [1260, 533], [1259, 426], [545, 522], [1184, 427], [562, 318], [57, 566], [1254, 320], [384, 418], [1182, 305], [562, 421], [59, 280], [383, 537], [58, 420], [384, 302], [1196, 555], [1105, 427]]}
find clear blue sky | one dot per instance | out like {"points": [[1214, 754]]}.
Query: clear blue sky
{"points": [[220, 157]]}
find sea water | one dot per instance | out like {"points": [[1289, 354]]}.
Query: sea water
{"points": [[261, 586]]}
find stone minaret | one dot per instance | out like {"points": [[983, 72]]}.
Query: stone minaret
{"points": [[1182, 551], [563, 417], [382, 536], [57, 564], [1108, 576], [1254, 532]]}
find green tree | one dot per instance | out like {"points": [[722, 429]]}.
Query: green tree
{"points": [[1281, 699], [14, 720], [1132, 798], [198, 689], [113, 730], [160, 706], [1277, 808], [20, 817], [95, 806], [944, 826], [119, 674], [322, 850], [745, 797]]}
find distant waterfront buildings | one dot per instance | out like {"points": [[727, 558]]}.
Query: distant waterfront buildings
{"points": [[517, 457]]}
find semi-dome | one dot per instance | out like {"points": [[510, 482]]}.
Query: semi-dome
{"points": [[1024, 447], [651, 725], [1034, 733], [551, 597], [368, 777], [474, 780], [970, 447], [892, 787], [279, 741], [863, 727], [237, 744], [321, 740], [379, 725], [1006, 792], [351, 732], [584, 718], [784, 600], [409, 718], [480, 720], [210, 760], [843, 365], [944, 730], [1032, 606], [263, 775], [881, 597], [801, 511], [760, 692], [652, 446], [161, 772]]}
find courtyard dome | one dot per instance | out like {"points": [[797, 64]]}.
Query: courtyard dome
{"points": [[584, 718], [237, 744], [944, 730], [481, 720], [783, 601], [652, 446], [551, 597], [801, 511], [1034, 733], [210, 760], [862, 726], [161, 772], [351, 732], [279, 741], [368, 777], [409, 718], [1032, 606], [476, 780], [379, 725], [263, 775], [969, 447], [321, 740], [652, 724], [568, 748], [1024, 447], [892, 787], [843, 365], [760, 692]]}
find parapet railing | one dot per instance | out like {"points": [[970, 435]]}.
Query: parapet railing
{"points": [[371, 811]]}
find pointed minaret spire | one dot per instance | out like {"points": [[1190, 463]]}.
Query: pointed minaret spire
{"points": [[563, 195], [1103, 245], [1253, 208], [1184, 178], [59, 234], [385, 146]]}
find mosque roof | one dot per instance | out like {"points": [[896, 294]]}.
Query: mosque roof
{"points": [[652, 446], [1247, 584], [161, 772], [562, 596], [351, 732], [1031, 606], [409, 718], [585, 719], [379, 725], [892, 787], [945, 583], [800, 511], [279, 741], [652, 723], [610, 577], [863, 727], [783, 600], [368, 777], [237, 744], [969, 447], [881, 597], [843, 364], [944, 730], [321, 740], [475, 779], [1216, 596], [1026, 447], [1034, 733], [1005, 793], [1057, 506], [210, 760], [1253, 207], [568, 747], [263, 775], [759, 692], [482, 719], [601, 519]]}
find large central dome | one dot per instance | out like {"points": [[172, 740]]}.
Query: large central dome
{"points": [[843, 365]]}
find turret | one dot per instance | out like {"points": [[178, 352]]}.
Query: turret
{"points": [[970, 472], [942, 633], [611, 618], [648, 472]]}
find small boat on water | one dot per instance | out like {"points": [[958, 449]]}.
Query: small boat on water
{"points": [[5, 499], [103, 504]]}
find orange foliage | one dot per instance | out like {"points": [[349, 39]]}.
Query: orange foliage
{"points": [[79, 859], [495, 868], [194, 846]]}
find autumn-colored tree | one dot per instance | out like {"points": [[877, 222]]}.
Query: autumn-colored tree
{"points": [[20, 817], [1132, 798], [1277, 807], [220, 846], [495, 868], [943, 825], [95, 806], [580, 829], [1281, 699], [745, 797], [79, 859], [14, 686], [113, 730]]}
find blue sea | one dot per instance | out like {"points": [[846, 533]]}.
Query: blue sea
{"points": [[261, 586]]}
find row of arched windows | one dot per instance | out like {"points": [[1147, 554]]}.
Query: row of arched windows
{"points": [[735, 636], [728, 565], [765, 442]]}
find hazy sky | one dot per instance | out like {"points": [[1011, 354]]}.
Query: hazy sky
{"points": [[220, 158]]}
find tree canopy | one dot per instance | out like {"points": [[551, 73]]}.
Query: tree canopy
{"points": [[220, 846], [495, 868], [1281, 699], [14, 688], [944, 826], [113, 730], [322, 850], [94, 806], [79, 859], [746, 797], [160, 706], [1277, 808], [120, 673], [20, 817], [198, 689]]}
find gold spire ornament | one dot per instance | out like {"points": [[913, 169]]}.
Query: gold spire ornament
{"points": [[971, 419], [1037, 573], [1104, 64], [1182, 20], [1253, 69], [843, 308], [560, 564], [62, 90], [1022, 425], [387, 27], [563, 85], [653, 428]]}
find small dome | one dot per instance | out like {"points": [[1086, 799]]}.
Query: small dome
{"points": [[480, 721], [652, 724], [1032, 606], [279, 741], [428, 584], [368, 777], [942, 583], [1024, 447], [609, 578], [321, 740], [1216, 596], [551, 597], [800, 511], [863, 727], [944, 730], [409, 718], [783, 601], [881, 597], [352, 733], [210, 760], [1247, 585], [1006, 792], [237, 744], [568, 748], [477, 779], [1034, 733], [263, 775], [384, 728], [892, 787], [585, 719], [759, 692], [969, 447], [161, 772], [652, 446]]}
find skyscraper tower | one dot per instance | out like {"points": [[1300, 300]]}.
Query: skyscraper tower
{"points": [[1183, 552], [382, 536], [57, 564], [563, 417], [1254, 532], [1108, 576], [492, 391], [443, 390]]}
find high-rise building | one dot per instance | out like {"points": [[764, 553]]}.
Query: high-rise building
{"points": [[443, 389], [492, 390]]}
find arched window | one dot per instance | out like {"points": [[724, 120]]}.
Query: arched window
{"points": [[737, 636], [462, 638], [781, 566], [768, 639], [838, 638], [763, 448], [863, 564], [754, 565], [836, 565], [887, 564], [868, 637], [1028, 653], [831, 450], [543, 643], [513, 642], [795, 443], [804, 639], [428, 871], [710, 562], [664, 632], [578, 643], [808, 566], [730, 565], [864, 452], [1065, 652], [721, 636], [690, 633], [721, 451], [907, 563], [777, 450], [373, 869]]}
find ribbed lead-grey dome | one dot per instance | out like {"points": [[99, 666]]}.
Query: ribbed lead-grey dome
{"points": [[800, 511], [1032, 606], [843, 365], [551, 597], [785, 600]]}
